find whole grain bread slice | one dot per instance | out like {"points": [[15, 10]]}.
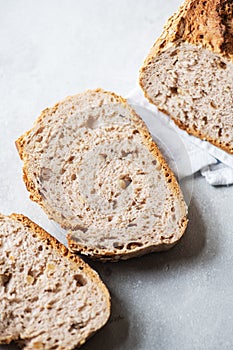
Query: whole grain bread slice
{"points": [[91, 164], [49, 298], [188, 73]]}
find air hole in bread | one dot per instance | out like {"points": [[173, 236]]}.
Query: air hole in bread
{"points": [[125, 154], [118, 245], [134, 245], [213, 105], [205, 120], [103, 155], [5, 278], [132, 225], [39, 139], [73, 177], [173, 217], [124, 181], [77, 325], [27, 310], [46, 173], [70, 159], [174, 90], [36, 298], [92, 123], [80, 280], [40, 130], [222, 65], [173, 53]]}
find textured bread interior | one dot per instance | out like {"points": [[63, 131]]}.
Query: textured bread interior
{"points": [[194, 86], [188, 72], [49, 299], [98, 174]]}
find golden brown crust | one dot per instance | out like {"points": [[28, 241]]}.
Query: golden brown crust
{"points": [[204, 23], [224, 146], [207, 23], [168, 174], [109, 257]]}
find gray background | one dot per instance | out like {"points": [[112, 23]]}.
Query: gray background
{"points": [[181, 299]]}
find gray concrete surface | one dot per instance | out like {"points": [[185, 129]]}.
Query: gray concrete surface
{"points": [[181, 299]]}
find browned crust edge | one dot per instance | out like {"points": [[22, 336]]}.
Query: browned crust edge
{"points": [[199, 22], [172, 183], [198, 133], [109, 257], [191, 131], [53, 243], [184, 26], [195, 132]]}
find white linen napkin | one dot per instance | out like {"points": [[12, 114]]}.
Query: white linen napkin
{"points": [[184, 153]]}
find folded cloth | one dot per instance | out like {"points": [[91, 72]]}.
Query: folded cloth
{"points": [[184, 153], [218, 175]]}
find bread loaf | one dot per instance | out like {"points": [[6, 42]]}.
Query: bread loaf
{"points": [[49, 298], [188, 73], [91, 164]]}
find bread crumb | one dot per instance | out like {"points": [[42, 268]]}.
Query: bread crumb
{"points": [[50, 267], [38, 345], [122, 184], [30, 279]]}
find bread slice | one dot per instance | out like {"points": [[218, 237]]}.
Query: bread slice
{"points": [[49, 298], [189, 71], [91, 164]]}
